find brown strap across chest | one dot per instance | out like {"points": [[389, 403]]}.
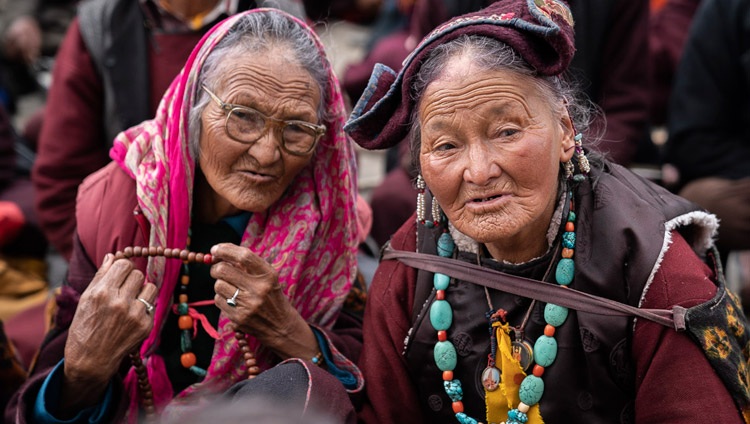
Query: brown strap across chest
{"points": [[525, 287]]}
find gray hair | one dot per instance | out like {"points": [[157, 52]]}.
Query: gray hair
{"points": [[254, 33], [493, 55]]}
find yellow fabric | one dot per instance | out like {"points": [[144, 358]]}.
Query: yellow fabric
{"points": [[505, 398]]}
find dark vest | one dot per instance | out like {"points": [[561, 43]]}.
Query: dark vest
{"points": [[620, 232]]}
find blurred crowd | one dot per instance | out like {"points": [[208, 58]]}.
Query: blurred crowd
{"points": [[670, 78]]}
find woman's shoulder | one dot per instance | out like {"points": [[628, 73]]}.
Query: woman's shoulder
{"points": [[104, 211], [682, 278]]}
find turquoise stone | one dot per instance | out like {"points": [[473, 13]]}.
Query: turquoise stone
{"points": [[569, 240], [555, 315], [571, 216], [454, 390], [182, 308], [186, 343], [465, 419], [445, 245], [429, 224], [545, 351], [531, 390], [565, 270], [445, 356], [579, 178], [441, 315], [200, 372], [441, 281]]}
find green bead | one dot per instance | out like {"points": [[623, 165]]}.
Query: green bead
{"points": [[555, 315], [429, 224], [186, 342], [445, 245], [445, 356], [441, 315], [569, 240], [441, 281], [182, 308], [545, 351], [571, 216], [565, 271], [531, 390]]}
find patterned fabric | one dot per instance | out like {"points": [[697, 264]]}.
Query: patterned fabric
{"points": [[725, 339], [309, 235]]}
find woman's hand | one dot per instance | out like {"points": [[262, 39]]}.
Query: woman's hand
{"points": [[262, 309], [109, 323]]}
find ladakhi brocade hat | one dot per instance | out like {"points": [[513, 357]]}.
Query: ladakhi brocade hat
{"points": [[541, 31]]}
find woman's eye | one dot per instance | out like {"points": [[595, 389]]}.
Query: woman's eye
{"points": [[507, 132], [445, 146]]}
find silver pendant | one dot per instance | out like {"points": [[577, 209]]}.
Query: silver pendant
{"points": [[491, 378], [523, 352]]}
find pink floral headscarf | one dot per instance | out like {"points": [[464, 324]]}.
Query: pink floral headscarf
{"points": [[309, 235]]}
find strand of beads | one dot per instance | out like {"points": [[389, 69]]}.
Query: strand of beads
{"points": [[545, 348], [441, 318], [184, 322]]}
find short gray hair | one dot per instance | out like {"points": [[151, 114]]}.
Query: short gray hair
{"points": [[254, 33], [493, 55]]}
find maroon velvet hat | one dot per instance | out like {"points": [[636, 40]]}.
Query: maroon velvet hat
{"points": [[541, 31]]}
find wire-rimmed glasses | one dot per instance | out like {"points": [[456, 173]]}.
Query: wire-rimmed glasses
{"points": [[247, 125]]}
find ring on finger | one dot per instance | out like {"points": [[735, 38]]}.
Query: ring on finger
{"points": [[149, 306], [232, 301]]}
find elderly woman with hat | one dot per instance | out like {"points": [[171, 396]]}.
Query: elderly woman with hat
{"points": [[219, 242], [540, 282]]}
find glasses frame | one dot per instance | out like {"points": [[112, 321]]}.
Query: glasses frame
{"points": [[228, 108]]}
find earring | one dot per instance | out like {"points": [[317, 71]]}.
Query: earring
{"points": [[583, 161], [569, 169], [436, 212], [420, 199]]}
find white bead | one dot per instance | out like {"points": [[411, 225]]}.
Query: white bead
{"points": [[523, 407]]}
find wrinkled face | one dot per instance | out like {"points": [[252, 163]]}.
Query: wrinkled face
{"points": [[491, 148], [253, 177]]}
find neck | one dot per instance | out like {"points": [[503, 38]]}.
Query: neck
{"points": [[208, 206]]}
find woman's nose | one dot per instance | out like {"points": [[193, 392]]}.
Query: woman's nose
{"points": [[267, 149], [480, 167]]}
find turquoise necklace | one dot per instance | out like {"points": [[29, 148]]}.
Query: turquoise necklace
{"points": [[545, 347]]}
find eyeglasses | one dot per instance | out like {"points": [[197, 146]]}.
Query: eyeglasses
{"points": [[247, 125]]}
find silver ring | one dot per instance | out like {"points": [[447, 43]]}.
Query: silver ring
{"points": [[232, 301], [149, 306]]}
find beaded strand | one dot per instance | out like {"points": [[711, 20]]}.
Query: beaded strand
{"points": [[184, 322], [531, 388]]}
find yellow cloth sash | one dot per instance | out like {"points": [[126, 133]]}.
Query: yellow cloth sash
{"points": [[505, 398]]}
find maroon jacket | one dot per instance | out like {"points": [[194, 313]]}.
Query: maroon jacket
{"points": [[108, 223], [604, 368]]}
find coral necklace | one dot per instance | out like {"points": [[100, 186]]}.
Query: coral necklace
{"points": [[545, 349], [185, 321]]}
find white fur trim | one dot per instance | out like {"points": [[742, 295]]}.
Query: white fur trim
{"points": [[707, 226]]}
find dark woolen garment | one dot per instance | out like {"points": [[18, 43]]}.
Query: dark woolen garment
{"points": [[710, 105], [605, 371], [106, 227], [73, 143]]}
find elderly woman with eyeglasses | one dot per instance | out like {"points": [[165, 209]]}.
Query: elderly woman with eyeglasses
{"points": [[219, 242]]}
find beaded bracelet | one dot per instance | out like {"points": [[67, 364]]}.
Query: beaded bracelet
{"points": [[318, 359]]}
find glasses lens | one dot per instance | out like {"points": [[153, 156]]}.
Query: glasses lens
{"points": [[245, 124], [298, 138]]}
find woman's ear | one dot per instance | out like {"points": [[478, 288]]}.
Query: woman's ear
{"points": [[567, 143]]}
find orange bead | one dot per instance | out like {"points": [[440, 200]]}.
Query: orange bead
{"points": [[183, 298], [440, 295], [458, 407], [442, 335], [447, 375], [570, 227], [185, 322], [187, 359], [538, 370], [567, 253], [549, 330], [184, 280]]}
